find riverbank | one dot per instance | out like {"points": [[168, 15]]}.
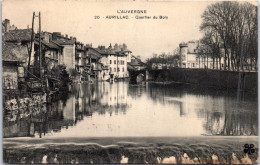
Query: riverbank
{"points": [[218, 79], [181, 150]]}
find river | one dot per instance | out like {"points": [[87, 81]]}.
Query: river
{"points": [[122, 110]]}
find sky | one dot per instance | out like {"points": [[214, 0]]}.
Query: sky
{"points": [[142, 36]]}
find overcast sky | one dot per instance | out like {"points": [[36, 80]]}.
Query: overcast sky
{"points": [[143, 37]]}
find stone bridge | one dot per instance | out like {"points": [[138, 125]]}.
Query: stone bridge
{"points": [[138, 75], [144, 74]]}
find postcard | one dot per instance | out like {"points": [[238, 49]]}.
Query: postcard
{"points": [[138, 82]]}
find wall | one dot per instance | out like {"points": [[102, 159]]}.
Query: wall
{"points": [[10, 77], [213, 78], [69, 56], [61, 58], [122, 73], [192, 45], [183, 53], [51, 58]]}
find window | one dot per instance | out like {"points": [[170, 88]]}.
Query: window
{"points": [[110, 61], [114, 61], [123, 62], [123, 69], [110, 68], [193, 65], [118, 69], [114, 69]]}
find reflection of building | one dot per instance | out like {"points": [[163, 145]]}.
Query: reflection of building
{"points": [[115, 94], [23, 128], [69, 109]]}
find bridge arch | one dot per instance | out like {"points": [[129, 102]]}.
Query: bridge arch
{"points": [[135, 74]]}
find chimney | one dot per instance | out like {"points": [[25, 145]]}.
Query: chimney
{"points": [[71, 37], [66, 35], [55, 35], [7, 25], [50, 37]]}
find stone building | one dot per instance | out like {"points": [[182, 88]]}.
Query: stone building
{"points": [[191, 58], [79, 60], [69, 50], [13, 56], [93, 64], [115, 61], [6, 27]]}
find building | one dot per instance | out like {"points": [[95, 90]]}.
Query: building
{"points": [[16, 47], [79, 60], [69, 50], [14, 57], [92, 63], [136, 63], [6, 27], [51, 49], [115, 61], [191, 58]]}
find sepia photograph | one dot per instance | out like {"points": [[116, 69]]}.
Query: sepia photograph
{"points": [[129, 82]]}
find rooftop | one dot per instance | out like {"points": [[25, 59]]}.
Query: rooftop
{"points": [[135, 61], [18, 35], [51, 44], [14, 52], [64, 41]]}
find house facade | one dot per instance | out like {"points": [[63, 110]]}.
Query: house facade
{"points": [[191, 58], [79, 61], [13, 57], [93, 63], [16, 46], [68, 51], [115, 61]]}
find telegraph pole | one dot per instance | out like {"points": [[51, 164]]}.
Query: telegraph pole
{"points": [[32, 37], [40, 46]]}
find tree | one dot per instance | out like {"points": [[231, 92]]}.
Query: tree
{"points": [[233, 25]]}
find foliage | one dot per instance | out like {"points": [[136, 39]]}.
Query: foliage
{"points": [[163, 58], [61, 73]]}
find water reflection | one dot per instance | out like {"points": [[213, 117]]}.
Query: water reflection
{"points": [[120, 109]]}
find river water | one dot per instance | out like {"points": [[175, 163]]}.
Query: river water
{"points": [[146, 110]]}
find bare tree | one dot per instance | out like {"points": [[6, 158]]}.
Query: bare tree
{"points": [[234, 26]]}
